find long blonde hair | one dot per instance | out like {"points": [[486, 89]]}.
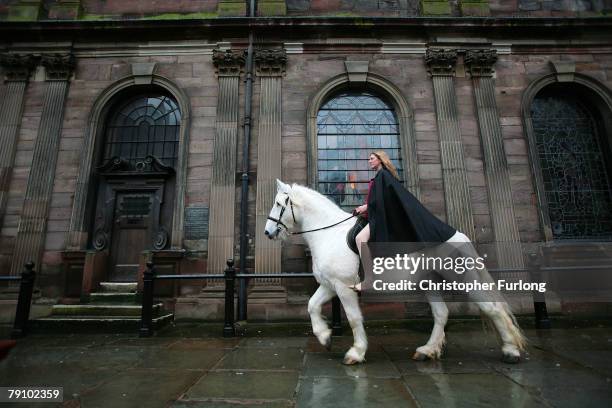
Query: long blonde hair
{"points": [[386, 162]]}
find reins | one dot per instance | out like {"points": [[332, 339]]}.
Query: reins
{"points": [[279, 222]]}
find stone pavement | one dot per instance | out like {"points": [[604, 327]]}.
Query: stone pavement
{"points": [[189, 365]]}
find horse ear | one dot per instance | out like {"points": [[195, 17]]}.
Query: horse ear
{"points": [[281, 187]]}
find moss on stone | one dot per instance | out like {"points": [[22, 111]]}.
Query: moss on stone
{"points": [[24, 12], [435, 8]]}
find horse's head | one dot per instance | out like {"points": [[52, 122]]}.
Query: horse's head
{"points": [[282, 214]]}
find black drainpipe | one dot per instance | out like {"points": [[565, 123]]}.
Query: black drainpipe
{"points": [[244, 196]]}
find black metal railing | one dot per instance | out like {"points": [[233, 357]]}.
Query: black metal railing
{"points": [[26, 287], [230, 276], [146, 326]]}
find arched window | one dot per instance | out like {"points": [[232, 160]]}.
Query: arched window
{"points": [[575, 163], [349, 127], [144, 125]]}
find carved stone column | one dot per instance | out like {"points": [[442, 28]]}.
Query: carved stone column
{"points": [[270, 68], [223, 185], [30, 240], [17, 69], [441, 67], [479, 64]]}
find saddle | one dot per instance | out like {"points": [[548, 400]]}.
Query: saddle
{"points": [[360, 224]]}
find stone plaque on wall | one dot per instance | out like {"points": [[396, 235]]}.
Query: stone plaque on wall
{"points": [[196, 223]]}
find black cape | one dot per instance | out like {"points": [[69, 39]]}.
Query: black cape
{"points": [[395, 214]]}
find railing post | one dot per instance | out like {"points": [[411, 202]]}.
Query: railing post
{"points": [[146, 318], [22, 314], [336, 317], [230, 280], [539, 299]]}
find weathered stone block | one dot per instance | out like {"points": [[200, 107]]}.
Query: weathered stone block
{"points": [[267, 8], [475, 8], [231, 8], [65, 10], [435, 8], [25, 10]]}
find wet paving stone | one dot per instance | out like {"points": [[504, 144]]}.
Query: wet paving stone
{"points": [[141, 388], [244, 385], [232, 403], [205, 344], [339, 344], [275, 342], [345, 392], [263, 359], [444, 366], [330, 365], [181, 359], [469, 390]]}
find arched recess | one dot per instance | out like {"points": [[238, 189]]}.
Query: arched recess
{"points": [[85, 188], [379, 85], [590, 90]]}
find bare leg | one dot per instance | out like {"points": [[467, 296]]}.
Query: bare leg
{"points": [[361, 238], [350, 302], [319, 325], [435, 344]]}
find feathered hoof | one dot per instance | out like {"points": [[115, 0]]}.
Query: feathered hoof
{"points": [[351, 361], [328, 344], [511, 359], [420, 356]]}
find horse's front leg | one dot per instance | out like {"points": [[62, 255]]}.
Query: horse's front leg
{"points": [[319, 325], [435, 345], [350, 303]]}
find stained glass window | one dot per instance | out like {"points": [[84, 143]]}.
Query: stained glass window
{"points": [[573, 161], [349, 127], [147, 125]]}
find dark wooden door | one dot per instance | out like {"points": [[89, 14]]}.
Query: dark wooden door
{"points": [[132, 233]]}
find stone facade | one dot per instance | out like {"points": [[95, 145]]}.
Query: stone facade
{"points": [[189, 55]]}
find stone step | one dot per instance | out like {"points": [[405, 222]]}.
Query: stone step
{"points": [[119, 287], [94, 323], [101, 310], [110, 298]]}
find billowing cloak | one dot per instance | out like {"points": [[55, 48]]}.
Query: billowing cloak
{"points": [[395, 214]]}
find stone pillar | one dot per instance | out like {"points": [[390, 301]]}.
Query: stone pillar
{"points": [[30, 240], [270, 68], [479, 64], [17, 70], [223, 185], [441, 67]]}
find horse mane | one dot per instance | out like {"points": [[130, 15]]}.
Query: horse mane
{"points": [[323, 202]]}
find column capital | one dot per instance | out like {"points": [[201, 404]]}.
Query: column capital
{"points": [[441, 62], [480, 62], [58, 67], [271, 62], [17, 67], [228, 62]]}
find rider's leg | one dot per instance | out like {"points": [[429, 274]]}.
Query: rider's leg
{"points": [[361, 238]]}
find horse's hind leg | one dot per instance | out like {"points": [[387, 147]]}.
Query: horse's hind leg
{"points": [[434, 346], [350, 303], [319, 325]]}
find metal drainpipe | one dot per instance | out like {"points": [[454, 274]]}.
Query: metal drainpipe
{"points": [[244, 203]]}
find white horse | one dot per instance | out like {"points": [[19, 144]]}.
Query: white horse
{"points": [[335, 267]]}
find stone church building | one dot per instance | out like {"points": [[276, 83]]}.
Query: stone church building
{"points": [[122, 132]]}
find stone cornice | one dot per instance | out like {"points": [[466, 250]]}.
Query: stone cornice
{"points": [[479, 63], [228, 62], [58, 67], [441, 62], [271, 62], [18, 67]]}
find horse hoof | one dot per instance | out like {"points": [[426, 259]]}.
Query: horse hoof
{"points": [[350, 361], [328, 344], [510, 359], [420, 356]]}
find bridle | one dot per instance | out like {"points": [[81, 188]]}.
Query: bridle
{"points": [[279, 223]]}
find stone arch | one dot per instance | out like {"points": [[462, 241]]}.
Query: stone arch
{"points": [[85, 190], [393, 96], [597, 94]]}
